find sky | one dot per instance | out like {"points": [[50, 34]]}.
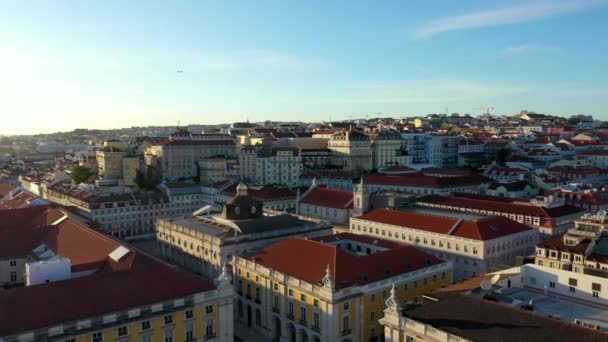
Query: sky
{"points": [[110, 64]]}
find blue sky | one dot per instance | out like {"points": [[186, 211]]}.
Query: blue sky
{"points": [[105, 64]]}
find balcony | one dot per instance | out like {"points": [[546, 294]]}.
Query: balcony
{"points": [[316, 328], [346, 332], [302, 322], [210, 336], [276, 310], [290, 316]]}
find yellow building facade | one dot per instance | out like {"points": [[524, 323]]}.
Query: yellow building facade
{"points": [[283, 307]]}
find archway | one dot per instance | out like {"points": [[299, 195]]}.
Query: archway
{"points": [[248, 315], [291, 336], [277, 328], [303, 336]]}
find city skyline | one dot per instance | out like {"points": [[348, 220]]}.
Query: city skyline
{"points": [[67, 65]]}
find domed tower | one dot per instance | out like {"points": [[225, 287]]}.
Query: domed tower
{"points": [[242, 206]]}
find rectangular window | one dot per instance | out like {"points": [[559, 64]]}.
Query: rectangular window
{"points": [[290, 293], [303, 297], [209, 332], [189, 335], [316, 303], [168, 335], [302, 314], [290, 309], [346, 306], [97, 337], [168, 319], [122, 331], [145, 325], [315, 320], [189, 314], [372, 315], [552, 284], [572, 289]]}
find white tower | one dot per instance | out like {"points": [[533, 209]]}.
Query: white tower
{"points": [[361, 199]]}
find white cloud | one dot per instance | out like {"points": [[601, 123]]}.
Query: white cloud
{"points": [[527, 49], [504, 16]]}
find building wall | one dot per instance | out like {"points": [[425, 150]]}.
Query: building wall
{"points": [[385, 153], [282, 169], [248, 164], [201, 318], [181, 161], [344, 315], [109, 164], [470, 257], [558, 282], [353, 156], [12, 271], [130, 166], [212, 170], [328, 214]]}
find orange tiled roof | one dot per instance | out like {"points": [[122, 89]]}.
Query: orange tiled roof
{"points": [[330, 198], [486, 228], [114, 286], [308, 259]]}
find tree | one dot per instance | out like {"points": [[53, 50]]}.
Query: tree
{"points": [[144, 182], [502, 155], [81, 174]]}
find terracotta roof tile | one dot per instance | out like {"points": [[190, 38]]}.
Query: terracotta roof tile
{"points": [[420, 180], [486, 228], [498, 205], [329, 198], [115, 286], [307, 260], [5, 189]]}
